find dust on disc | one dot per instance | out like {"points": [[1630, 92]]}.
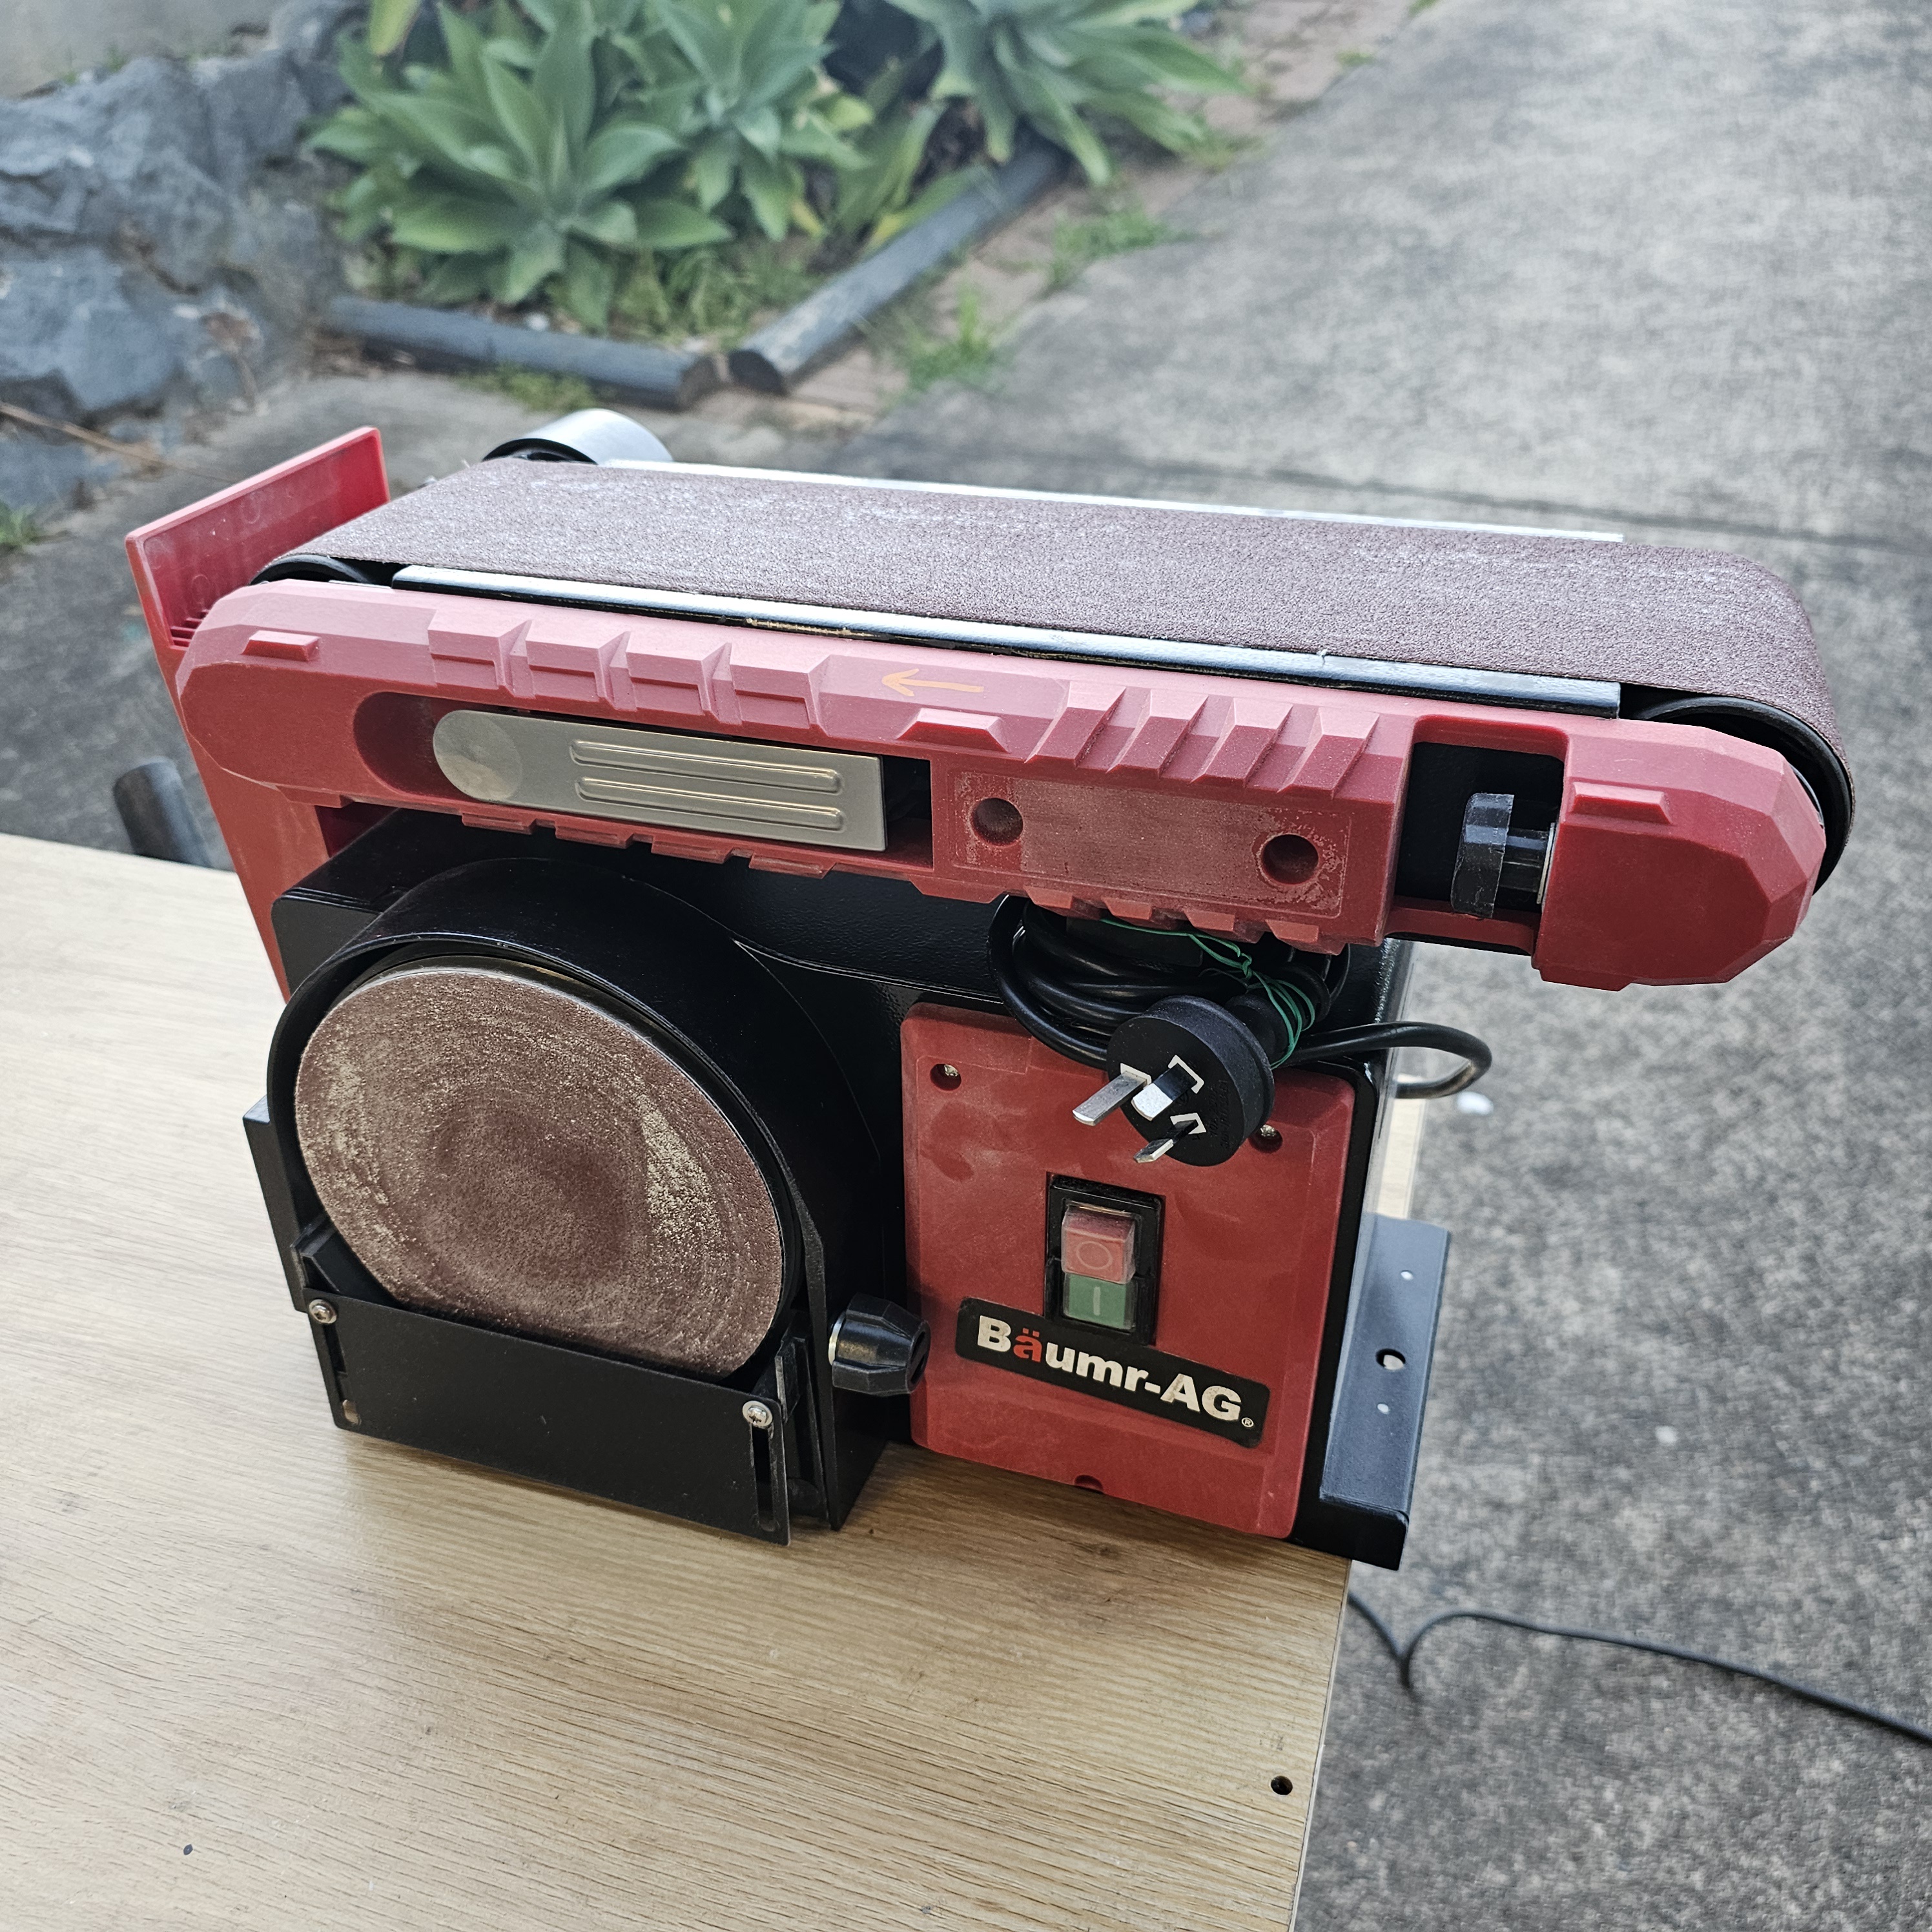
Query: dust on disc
{"points": [[495, 1146]]}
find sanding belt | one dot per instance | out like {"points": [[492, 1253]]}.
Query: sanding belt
{"points": [[475, 1219], [1674, 620]]}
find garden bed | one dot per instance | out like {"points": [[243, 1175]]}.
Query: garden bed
{"points": [[541, 179]]}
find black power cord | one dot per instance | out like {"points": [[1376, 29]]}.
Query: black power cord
{"points": [[1071, 983], [1403, 1651]]}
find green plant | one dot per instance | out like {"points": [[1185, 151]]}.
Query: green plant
{"points": [[517, 164], [1078, 245], [1416, 7], [389, 23], [535, 389], [970, 354], [1354, 57], [884, 194], [1054, 63], [713, 293], [760, 107], [18, 528]]}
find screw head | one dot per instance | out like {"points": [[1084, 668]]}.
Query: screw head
{"points": [[321, 1312], [758, 1414]]}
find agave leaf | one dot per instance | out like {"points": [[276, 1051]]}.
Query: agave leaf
{"points": [[762, 129], [669, 226], [623, 152], [389, 23], [612, 222], [588, 283], [355, 134], [457, 278], [1155, 119], [770, 188], [365, 204], [845, 113], [498, 163], [712, 168], [564, 78], [451, 224], [1168, 60], [536, 257], [703, 40], [464, 42], [521, 114], [437, 131], [930, 201]]}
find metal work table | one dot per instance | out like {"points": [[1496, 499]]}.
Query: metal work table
{"points": [[357, 1680]]}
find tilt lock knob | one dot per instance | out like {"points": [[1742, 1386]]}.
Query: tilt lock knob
{"points": [[1194, 1076]]}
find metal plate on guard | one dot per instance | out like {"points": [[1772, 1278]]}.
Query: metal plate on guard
{"points": [[790, 792]]}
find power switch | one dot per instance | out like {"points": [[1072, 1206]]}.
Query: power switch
{"points": [[1099, 1242], [1103, 1256], [1096, 1267]]}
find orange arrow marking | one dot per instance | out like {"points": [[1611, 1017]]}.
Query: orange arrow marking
{"points": [[905, 684]]}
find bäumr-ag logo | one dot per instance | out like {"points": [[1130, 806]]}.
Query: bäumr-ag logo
{"points": [[1091, 1362]]}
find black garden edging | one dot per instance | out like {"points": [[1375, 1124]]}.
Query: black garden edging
{"points": [[783, 351], [772, 360], [440, 338]]}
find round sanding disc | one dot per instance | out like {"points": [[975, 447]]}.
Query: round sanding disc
{"points": [[494, 1146]]}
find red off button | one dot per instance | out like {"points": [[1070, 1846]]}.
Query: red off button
{"points": [[1097, 1242]]}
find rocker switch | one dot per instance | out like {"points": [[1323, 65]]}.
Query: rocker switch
{"points": [[1096, 1266], [1103, 1256], [1099, 1243]]}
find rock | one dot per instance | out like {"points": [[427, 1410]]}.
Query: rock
{"points": [[159, 245], [38, 474], [77, 342]]}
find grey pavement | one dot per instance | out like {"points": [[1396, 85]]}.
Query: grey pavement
{"points": [[1655, 265], [1659, 266]]}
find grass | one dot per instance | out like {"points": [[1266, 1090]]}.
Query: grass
{"points": [[535, 389], [1353, 57], [1078, 245], [1416, 7], [18, 530], [970, 354], [713, 294]]}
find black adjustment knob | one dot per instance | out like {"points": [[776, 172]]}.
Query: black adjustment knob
{"points": [[877, 1347], [1492, 858], [1193, 1077]]}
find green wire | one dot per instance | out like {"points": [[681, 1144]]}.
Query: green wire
{"points": [[1293, 1007]]}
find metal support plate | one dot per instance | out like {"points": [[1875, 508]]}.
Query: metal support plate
{"points": [[1375, 1429]]}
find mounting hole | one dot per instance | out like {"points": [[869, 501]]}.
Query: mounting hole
{"points": [[1266, 1140], [946, 1074], [1089, 1483], [1289, 861], [1392, 1358], [998, 820], [1281, 1786]]}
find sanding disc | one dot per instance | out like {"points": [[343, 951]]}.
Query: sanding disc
{"points": [[494, 1145]]}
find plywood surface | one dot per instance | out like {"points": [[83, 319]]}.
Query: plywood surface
{"points": [[369, 1688]]}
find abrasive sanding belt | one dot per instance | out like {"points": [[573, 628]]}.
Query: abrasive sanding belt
{"points": [[1691, 621]]}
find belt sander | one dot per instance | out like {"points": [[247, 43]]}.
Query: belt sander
{"points": [[777, 964]]}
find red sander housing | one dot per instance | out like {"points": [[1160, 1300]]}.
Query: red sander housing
{"points": [[777, 963]]}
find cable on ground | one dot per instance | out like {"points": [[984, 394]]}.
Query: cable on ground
{"points": [[1403, 1651]]}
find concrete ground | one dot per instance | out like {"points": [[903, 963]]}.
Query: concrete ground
{"points": [[1655, 265]]}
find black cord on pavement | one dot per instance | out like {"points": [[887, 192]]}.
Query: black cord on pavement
{"points": [[1404, 1654]]}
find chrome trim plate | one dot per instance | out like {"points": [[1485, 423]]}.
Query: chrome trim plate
{"points": [[727, 785]]}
